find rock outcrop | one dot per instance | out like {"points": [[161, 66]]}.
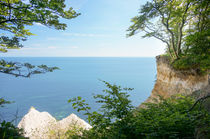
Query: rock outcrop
{"points": [[43, 126], [170, 82]]}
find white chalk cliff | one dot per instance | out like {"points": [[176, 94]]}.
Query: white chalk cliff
{"points": [[43, 126]]}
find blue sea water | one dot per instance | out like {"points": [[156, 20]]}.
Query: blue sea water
{"points": [[78, 76]]}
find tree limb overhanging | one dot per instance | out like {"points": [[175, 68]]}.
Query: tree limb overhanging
{"points": [[174, 17], [23, 69], [15, 15]]}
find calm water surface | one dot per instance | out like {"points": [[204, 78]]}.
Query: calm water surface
{"points": [[76, 77]]}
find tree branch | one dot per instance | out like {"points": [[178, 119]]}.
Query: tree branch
{"points": [[179, 41], [16, 74], [155, 36], [166, 24], [14, 20], [16, 8], [199, 100]]}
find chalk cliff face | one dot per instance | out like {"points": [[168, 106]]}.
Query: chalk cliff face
{"points": [[43, 126], [170, 82]]}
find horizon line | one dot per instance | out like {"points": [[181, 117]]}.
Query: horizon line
{"points": [[82, 56]]}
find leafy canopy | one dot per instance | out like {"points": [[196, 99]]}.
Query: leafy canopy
{"points": [[196, 52], [15, 16], [183, 25], [164, 20]]}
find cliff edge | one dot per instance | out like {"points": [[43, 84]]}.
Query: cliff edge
{"points": [[170, 81]]}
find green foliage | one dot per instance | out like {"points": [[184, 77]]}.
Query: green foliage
{"points": [[117, 118], [19, 69], [183, 25], [197, 42], [170, 118], [115, 106], [73, 131], [9, 43], [15, 15], [9, 131], [165, 20], [3, 102]]}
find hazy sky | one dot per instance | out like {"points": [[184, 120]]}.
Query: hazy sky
{"points": [[99, 31]]}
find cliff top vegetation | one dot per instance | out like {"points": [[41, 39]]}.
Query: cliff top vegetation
{"points": [[183, 25]]}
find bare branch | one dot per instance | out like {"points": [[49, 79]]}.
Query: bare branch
{"points": [[199, 100]]}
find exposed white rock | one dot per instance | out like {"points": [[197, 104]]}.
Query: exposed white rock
{"points": [[43, 126], [36, 124], [73, 120]]}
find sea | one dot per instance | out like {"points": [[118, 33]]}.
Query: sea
{"points": [[77, 76]]}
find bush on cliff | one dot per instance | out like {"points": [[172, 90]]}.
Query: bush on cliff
{"points": [[9, 131], [197, 56], [182, 25], [117, 118]]}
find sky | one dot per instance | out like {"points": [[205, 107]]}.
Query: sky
{"points": [[100, 31]]}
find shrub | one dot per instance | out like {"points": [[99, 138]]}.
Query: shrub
{"points": [[197, 54], [117, 118], [9, 131]]}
